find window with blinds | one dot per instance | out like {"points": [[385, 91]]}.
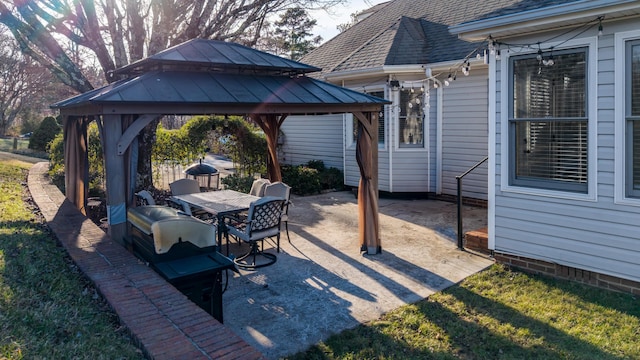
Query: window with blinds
{"points": [[632, 101], [411, 119], [548, 123], [381, 117]]}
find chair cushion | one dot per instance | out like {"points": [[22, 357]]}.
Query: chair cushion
{"points": [[143, 216], [168, 232]]}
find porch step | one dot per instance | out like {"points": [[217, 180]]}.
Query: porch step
{"points": [[477, 240]]}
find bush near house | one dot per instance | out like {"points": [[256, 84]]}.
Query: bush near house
{"points": [[312, 178], [307, 179]]}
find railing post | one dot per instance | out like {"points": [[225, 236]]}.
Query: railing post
{"points": [[459, 183]]}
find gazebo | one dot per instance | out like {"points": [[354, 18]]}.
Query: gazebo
{"points": [[209, 77]]}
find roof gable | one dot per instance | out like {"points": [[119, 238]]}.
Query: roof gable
{"points": [[394, 31]]}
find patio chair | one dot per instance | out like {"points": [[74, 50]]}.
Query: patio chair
{"points": [[280, 189], [144, 197], [258, 186], [263, 221], [183, 187]]}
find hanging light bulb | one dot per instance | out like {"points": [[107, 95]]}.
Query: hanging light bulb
{"points": [[422, 88], [435, 85], [550, 61], [446, 83], [498, 55], [600, 27], [478, 56], [539, 56], [449, 78], [412, 89]]}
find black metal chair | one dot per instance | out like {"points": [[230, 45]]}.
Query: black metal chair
{"points": [[263, 221]]}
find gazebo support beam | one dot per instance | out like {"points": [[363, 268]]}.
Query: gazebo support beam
{"points": [[367, 158], [270, 124], [115, 178], [132, 131]]}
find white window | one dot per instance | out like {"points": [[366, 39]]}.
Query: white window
{"points": [[411, 119], [548, 121], [632, 119]]}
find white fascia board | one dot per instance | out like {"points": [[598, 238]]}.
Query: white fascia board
{"points": [[376, 71], [546, 16]]}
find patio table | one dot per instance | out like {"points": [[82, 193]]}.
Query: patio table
{"points": [[219, 204]]}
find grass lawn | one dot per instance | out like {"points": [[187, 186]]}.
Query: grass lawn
{"points": [[499, 314], [6, 144], [47, 309]]}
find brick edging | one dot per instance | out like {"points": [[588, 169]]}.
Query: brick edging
{"points": [[569, 273], [164, 323]]}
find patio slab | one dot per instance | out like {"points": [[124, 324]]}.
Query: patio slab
{"points": [[321, 284]]}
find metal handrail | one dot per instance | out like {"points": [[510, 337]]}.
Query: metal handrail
{"points": [[459, 183]]}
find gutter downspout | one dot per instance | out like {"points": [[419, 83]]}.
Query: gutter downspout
{"points": [[439, 117], [344, 145]]}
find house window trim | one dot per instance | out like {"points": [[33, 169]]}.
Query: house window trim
{"points": [[590, 44], [621, 102], [350, 142], [425, 123]]}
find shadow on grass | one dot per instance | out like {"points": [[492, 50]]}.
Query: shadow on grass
{"points": [[459, 323]]}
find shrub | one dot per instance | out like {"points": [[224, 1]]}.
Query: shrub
{"points": [[302, 179], [312, 178], [44, 134], [238, 182]]}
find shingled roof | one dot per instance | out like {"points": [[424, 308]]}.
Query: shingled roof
{"points": [[403, 32]]}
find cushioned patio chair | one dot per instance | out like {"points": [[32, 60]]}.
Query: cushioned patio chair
{"points": [[263, 221], [258, 186], [183, 187], [280, 189]]}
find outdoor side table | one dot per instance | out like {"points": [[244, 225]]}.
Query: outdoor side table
{"points": [[199, 278]]}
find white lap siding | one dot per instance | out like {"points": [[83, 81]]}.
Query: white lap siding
{"points": [[312, 138], [596, 233], [464, 134]]}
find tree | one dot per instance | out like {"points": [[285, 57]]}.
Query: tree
{"points": [[21, 83], [64, 35], [293, 31]]}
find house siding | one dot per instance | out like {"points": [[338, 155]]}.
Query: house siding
{"points": [[464, 134], [312, 138], [595, 233]]}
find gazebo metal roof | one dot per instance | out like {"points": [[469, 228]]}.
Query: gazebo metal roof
{"points": [[232, 93], [214, 55]]}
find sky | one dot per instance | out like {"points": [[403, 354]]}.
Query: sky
{"points": [[326, 26]]}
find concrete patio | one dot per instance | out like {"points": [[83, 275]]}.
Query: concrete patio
{"points": [[321, 284]]}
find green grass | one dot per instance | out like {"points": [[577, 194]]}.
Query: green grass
{"points": [[6, 144], [47, 309], [499, 314]]}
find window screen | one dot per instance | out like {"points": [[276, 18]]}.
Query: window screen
{"points": [[633, 119], [548, 121]]}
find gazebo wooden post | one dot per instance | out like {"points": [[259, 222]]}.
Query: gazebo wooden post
{"points": [[116, 180], [270, 124], [367, 158]]}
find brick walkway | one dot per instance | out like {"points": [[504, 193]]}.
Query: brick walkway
{"points": [[163, 322]]}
